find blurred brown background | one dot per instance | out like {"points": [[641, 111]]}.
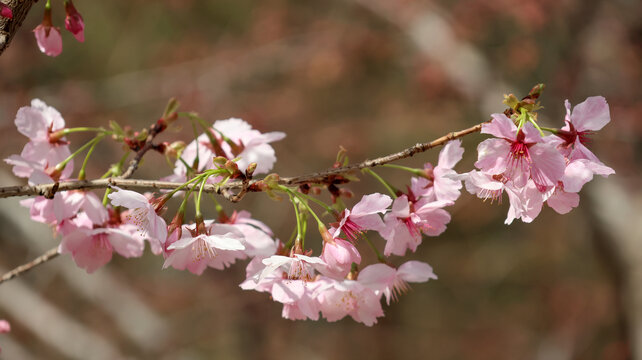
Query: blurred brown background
{"points": [[374, 76]]}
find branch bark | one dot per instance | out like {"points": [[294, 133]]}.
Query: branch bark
{"points": [[48, 190], [9, 27]]}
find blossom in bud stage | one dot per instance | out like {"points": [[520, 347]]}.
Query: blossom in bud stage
{"points": [[218, 247], [392, 282], [441, 182], [339, 255], [250, 145], [142, 214], [519, 155], [48, 36], [407, 221], [39, 122], [363, 216], [74, 22], [5, 11]]}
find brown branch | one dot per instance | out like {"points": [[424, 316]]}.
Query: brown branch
{"points": [[244, 186], [9, 27], [50, 254], [154, 130]]}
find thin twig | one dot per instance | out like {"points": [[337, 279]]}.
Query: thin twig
{"points": [[245, 185], [317, 177], [50, 254]]}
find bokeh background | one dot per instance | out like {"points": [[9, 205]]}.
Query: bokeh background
{"points": [[373, 76]]}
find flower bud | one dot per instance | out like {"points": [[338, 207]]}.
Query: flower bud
{"points": [[5, 11], [48, 37], [74, 22], [250, 169]]}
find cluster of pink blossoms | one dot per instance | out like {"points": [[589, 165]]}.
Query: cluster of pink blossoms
{"points": [[529, 167], [533, 169]]}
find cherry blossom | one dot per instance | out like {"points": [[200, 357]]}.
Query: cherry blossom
{"points": [[218, 247], [338, 299], [5, 11], [142, 214], [47, 36], [391, 282], [363, 216], [39, 122], [74, 22], [407, 221], [92, 248], [441, 182], [250, 145], [339, 255], [519, 155]]}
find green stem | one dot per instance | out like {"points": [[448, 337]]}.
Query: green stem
{"points": [[61, 165], [327, 208], [298, 219], [392, 192], [86, 129], [81, 173], [418, 172], [554, 131], [302, 201]]}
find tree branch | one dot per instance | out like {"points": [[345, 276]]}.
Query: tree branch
{"points": [[48, 190], [50, 254], [9, 27]]}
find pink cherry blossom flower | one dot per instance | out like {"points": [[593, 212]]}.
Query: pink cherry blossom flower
{"points": [[250, 145], [142, 214], [405, 224], [48, 37], [298, 298], [519, 155], [258, 239], [587, 117], [338, 299], [5, 11], [74, 22], [392, 282], [297, 266], [339, 256], [363, 216], [218, 247], [525, 202], [92, 248], [563, 198], [38, 122], [441, 182]]}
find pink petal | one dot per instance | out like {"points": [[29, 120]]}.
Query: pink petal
{"points": [[492, 156], [371, 204], [501, 127], [450, 155], [563, 202], [591, 114], [51, 44], [548, 164], [416, 271]]}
